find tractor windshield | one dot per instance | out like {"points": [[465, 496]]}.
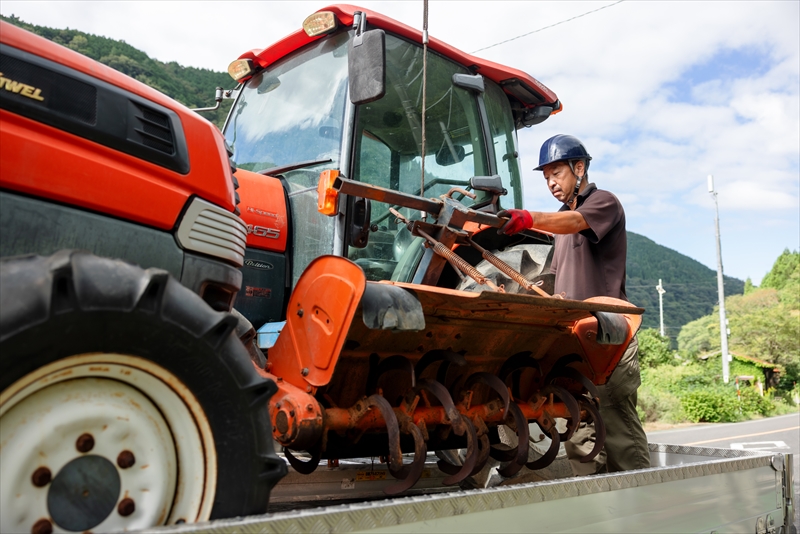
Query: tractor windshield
{"points": [[292, 111], [387, 147]]}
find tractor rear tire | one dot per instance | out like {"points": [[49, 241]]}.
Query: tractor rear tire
{"points": [[126, 402]]}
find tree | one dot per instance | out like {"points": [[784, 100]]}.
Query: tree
{"points": [[764, 322], [700, 336], [785, 266], [748, 286], [654, 349]]}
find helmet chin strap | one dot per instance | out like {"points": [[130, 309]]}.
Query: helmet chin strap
{"points": [[577, 183]]}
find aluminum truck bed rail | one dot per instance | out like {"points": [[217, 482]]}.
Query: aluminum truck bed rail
{"points": [[690, 489]]}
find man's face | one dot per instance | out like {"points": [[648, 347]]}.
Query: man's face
{"points": [[560, 179]]}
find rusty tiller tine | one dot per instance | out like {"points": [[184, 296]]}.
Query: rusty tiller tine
{"points": [[443, 396], [503, 455], [483, 454], [409, 474], [445, 356], [599, 428], [572, 405], [460, 426], [493, 382], [305, 468], [484, 448], [469, 461], [573, 374], [551, 453], [518, 460], [561, 364], [392, 363], [392, 429], [516, 362]]}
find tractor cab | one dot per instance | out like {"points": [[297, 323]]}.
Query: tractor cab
{"points": [[345, 94]]}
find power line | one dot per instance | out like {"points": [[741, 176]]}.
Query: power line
{"points": [[546, 27]]}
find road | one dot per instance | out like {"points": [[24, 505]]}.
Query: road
{"points": [[779, 434]]}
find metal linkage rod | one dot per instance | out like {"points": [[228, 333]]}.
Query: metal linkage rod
{"points": [[509, 271], [459, 263]]}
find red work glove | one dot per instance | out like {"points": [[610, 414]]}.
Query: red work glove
{"points": [[518, 220]]}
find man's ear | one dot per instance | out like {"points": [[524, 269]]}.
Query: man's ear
{"points": [[580, 167]]}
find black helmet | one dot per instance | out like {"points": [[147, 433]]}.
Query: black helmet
{"points": [[562, 148]]}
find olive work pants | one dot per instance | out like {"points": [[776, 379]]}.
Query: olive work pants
{"points": [[626, 443]]}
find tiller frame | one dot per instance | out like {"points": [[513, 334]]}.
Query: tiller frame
{"points": [[560, 350]]}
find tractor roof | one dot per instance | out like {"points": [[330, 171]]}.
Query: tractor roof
{"points": [[518, 85]]}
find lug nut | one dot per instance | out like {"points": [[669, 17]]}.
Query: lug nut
{"points": [[42, 526], [126, 507], [304, 372], [85, 443], [310, 408], [41, 477], [126, 459]]}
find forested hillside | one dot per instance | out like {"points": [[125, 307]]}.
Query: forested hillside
{"points": [[190, 86], [764, 322], [691, 287]]}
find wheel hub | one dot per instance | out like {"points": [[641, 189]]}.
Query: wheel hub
{"points": [[83, 493]]}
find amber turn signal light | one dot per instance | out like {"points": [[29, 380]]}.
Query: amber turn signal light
{"points": [[319, 23], [327, 196], [240, 69]]}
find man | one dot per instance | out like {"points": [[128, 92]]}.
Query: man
{"points": [[589, 261]]}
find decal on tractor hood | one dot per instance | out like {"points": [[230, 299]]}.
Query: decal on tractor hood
{"points": [[21, 88], [263, 231]]}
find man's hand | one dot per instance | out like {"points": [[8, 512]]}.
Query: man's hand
{"points": [[518, 220]]}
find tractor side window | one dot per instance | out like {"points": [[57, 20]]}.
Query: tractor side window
{"points": [[503, 136], [388, 147]]}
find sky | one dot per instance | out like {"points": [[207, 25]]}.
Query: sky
{"points": [[662, 93]]}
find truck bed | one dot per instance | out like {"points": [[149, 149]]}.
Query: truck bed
{"points": [[688, 489]]}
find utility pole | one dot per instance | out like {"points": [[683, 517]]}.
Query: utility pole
{"points": [[723, 322], [661, 292]]}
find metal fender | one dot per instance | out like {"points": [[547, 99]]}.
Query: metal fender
{"points": [[318, 318], [602, 355]]}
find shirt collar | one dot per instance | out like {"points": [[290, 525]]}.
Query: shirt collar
{"points": [[588, 190]]}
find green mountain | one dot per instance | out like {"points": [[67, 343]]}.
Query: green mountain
{"points": [[691, 287], [190, 86]]}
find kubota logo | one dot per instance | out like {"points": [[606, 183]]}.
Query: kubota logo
{"points": [[263, 231], [21, 88]]}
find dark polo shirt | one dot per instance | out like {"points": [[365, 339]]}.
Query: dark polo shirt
{"points": [[591, 263]]}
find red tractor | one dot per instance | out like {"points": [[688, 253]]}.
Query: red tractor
{"points": [[392, 316], [123, 378]]}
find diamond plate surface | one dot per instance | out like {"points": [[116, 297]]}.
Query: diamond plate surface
{"points": [[406, 510]]}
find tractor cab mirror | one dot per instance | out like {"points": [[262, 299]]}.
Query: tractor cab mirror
{"points": [[366, 63], [493, 185], [359, 214], [450, 154], [490, 184]]}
